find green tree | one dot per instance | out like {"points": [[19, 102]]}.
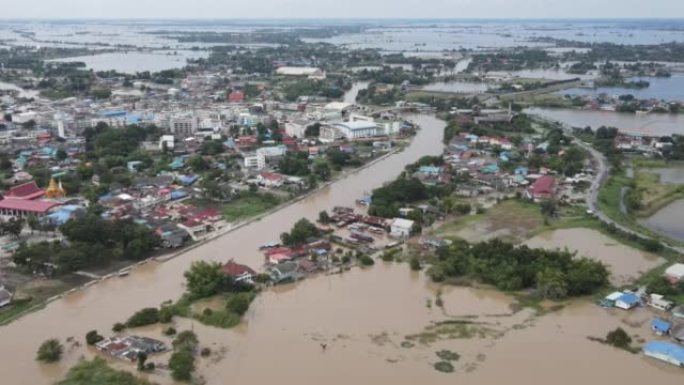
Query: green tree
{"points": [[50, 351], [141, 359], [239, 303], [182, 364], [146, 316], [92, 337], [205, 279], [197, 163], [323, 217], [321, 169], [301, 231], [414, 263], [186, 340], [551, 284]]}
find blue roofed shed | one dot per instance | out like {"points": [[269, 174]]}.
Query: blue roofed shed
{"points": [[187, 180], [665, 351], [627, 301], [661, 327]]}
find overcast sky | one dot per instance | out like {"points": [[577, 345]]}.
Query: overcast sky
{"points": [[232, 9]]}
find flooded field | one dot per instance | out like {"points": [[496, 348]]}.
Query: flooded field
{"points": [[132, 62], [668, 220], [624, 263], [458, 87], [669, 89], [651, 124]]}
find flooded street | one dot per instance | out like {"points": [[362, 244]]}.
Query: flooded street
{"points": [[624, 263]]}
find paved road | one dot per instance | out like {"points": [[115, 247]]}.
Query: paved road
{"points": [[602, 172]]}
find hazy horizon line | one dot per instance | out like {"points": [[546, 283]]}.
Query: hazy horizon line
{"points": [[588, 18]]}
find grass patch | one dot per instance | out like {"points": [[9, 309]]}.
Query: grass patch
{"points": [[17, 309], [249, 206], [517, 216], [218, 311], [450, 330]]}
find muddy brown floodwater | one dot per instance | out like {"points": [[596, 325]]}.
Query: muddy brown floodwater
{"points": [[99, 306], [625, 263], [366, 318]]}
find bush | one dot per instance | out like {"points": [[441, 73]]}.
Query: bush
{"points": [[448, 355], [146, 316], [206, 352], [444, 367], [50, 351], [619, 338], [239, 303], [414, 263], [170, 331], [185, 340], [118, 327], [366, 260], [182, 364], [92, 337]]}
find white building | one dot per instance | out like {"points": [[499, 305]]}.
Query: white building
{"points": [[401, 228], [357, 129], [296, 128], [168, 141], [675, 273], [310, 72], [255, 161], [272, 151]]}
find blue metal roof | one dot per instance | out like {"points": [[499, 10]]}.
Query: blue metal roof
{"points": [[629, 298], [661, 325], [666, 349]]}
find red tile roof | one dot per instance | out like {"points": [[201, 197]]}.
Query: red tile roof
{"points": [[29, 190], [236, 97], [545, 185], [39, 207], [236, 270]]}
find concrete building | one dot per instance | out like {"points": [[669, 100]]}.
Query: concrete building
{"points": [[297, 128], [183, 126], [254, 161], [168, 141], [357, 129], [401, 228], [310, 72]]}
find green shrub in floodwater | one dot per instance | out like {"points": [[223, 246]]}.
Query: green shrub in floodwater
{"points": [[448, 355], [444, 367]]}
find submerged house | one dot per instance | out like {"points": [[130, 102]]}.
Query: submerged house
{"points": [[665, 351], [284, 272], [627, 301], [5, 296], [239, 272], [660, 327]]}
